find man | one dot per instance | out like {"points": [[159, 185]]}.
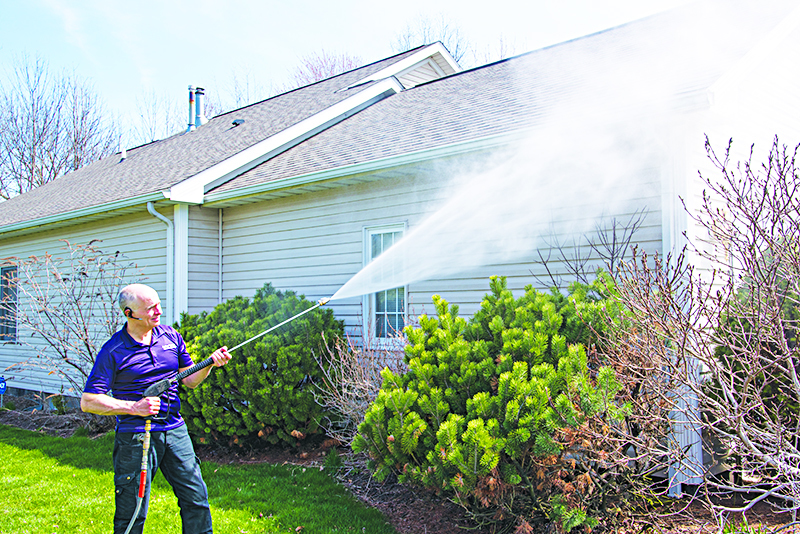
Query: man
{"points": [[140, 354]]}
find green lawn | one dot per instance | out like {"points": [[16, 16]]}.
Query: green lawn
{"points": [[52, 485]]}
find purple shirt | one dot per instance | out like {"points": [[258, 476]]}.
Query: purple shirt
{"points": [[124, 368]]}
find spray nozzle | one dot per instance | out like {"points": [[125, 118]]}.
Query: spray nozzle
{"points": [[324, 301]]}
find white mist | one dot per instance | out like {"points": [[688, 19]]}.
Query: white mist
{"points": [[586, 157]]}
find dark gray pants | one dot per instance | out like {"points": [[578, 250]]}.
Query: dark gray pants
{"points": [[172, 452]]}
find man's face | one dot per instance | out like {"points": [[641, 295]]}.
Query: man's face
{"points": [[147, 307]]}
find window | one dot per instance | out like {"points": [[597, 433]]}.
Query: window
{"points": [[387, 308], [8, 304]]}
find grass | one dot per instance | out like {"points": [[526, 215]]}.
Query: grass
{"points": [[51, 485]]}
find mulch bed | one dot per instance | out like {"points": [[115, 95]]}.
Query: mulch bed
{"points": [[410, 510]]}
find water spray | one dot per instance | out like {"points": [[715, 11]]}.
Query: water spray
{"points": [[161, 386]]}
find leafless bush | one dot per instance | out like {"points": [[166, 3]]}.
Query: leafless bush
{"points": [[610, 244], [708, 344], [352, 379], [68, 307]]}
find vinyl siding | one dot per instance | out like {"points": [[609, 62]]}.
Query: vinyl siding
{"points": [[141, 238], [203, 273], [313, 243]]}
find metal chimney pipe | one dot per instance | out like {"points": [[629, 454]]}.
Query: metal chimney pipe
{"points": [[191, 109], [200, 117]]}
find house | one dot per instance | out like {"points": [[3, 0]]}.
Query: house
{"points": [[305, 188]]}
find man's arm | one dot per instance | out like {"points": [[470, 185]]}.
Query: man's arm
{"points": [[101, 404], [220, 357]]}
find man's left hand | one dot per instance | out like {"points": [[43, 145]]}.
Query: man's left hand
{"points": [[221, 356]]}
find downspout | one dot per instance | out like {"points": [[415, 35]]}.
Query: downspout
{"points": [[170, 262], [219, 259], [686, 430]]}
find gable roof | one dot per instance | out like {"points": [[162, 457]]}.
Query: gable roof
{"points": [[152, 171], [669, 52], [670, 59]]}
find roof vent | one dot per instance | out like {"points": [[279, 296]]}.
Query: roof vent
{"points": [[200, 105], [237, 122], [191, 110], [122, 155]]}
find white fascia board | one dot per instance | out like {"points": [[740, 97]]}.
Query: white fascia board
{"points": [[410, 62], [374, 165], [84, 212], [192, 189]]}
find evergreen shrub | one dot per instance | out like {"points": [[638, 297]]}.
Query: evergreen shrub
{"points": [[265, 393], [492, 411]]}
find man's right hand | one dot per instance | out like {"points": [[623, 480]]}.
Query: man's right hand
{"points": [[146, 406], [103, 404]]}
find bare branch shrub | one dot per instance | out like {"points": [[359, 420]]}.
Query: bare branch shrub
{"points": [[709, 342], [68, 307], [352, 378], [608, 246]]}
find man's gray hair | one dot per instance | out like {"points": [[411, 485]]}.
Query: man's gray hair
{"points": [[127, 297]]}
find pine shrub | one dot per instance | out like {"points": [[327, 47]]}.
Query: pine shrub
{"points": [[265, 393], [496, 412]]}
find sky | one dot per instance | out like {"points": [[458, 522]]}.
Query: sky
{"points": [[129, 48]]}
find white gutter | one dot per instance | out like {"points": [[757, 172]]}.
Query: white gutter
{"points": [[192, 189], [374, 165], [85, 212], [170, 311]]}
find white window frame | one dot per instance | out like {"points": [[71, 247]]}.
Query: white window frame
{"points": [[368, 319], [12, 334]]}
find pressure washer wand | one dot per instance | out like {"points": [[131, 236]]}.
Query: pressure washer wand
{"points": [[161, 386]]}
